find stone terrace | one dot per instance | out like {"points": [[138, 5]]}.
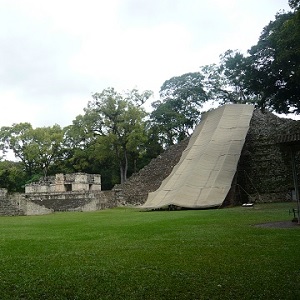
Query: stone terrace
{"points": [[135, 190]]}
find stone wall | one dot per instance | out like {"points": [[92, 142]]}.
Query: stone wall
{"points": [[72, 201], [17, 205], [135, 190], [8, 207], [264, 171], [39, 204], [65, 183]]}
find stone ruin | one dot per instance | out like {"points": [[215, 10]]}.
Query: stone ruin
{"points": [[263, 174], [61, 183], [3, 193], [62, 192]]}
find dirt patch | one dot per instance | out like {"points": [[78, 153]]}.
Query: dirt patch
{"points": [[279, 224]]}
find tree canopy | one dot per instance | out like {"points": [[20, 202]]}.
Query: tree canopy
{"points": [[178, 111], [119, 120], [294, 4], [274, 64], [227, 81], [36, 148], [268, 75]]}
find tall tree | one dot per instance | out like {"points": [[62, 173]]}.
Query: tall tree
{"points": [[120, 121], [228, 81], [294, 4], [77, 140], [274, 64], [35, 148], [18, 138], [12, 176], [48, 142], [178, 111], [269, 75]]}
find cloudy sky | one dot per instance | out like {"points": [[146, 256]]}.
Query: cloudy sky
{"points": [[54, 54]]}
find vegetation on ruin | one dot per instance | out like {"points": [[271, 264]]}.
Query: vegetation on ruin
{"points": [[126, 254], [116, 137]]}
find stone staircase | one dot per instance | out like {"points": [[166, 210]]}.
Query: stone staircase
{"points": [[8, 207], [135, 190]]}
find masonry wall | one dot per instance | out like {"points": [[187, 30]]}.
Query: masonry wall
{"points": [[76, 182], [17, 205], [39, 204], [73, 201], [8, 207], [264, 172], [135, 190]]}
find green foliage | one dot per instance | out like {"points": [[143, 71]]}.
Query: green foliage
{"points": [[48, 141], [112, 130], [268, 76], [227, 83], [178, 111], [152, 147], [122, 121], [187, 88], [126, 254], [274, 64], [12, 176], [18, 138], [294, 4], [36, 148]]}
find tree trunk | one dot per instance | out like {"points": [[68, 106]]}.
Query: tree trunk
{"points": [[124, 167]]}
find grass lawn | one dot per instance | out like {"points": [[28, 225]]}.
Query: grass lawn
{"points": [[126, 254]]}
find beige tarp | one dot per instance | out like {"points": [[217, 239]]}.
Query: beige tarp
{"points": [[204, 174]]}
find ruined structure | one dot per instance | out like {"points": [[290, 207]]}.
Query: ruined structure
{"points": [[135, 190], [203, 176], [60, 183], [17, 205], [70, 192], [264, 172]]}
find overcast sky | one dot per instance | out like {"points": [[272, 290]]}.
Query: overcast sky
{"points": [[54, 54]]}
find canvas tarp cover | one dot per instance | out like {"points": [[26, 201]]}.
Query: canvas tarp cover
{"points": [[204, 174]]}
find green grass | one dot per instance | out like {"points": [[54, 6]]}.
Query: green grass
{"points": [[127, 254]]}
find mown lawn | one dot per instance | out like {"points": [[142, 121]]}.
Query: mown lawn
{"points": [[126, 254]]}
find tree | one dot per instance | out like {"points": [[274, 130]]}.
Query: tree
{"points": [[169, 122], [120, 121], [294, 4], [269, 75], [48, 144], [228, 81], [274, 64], [178, 111], [77, 140], [18, 138], [12, 176], [35, 148]]}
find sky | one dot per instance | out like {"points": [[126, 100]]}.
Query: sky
{"points": [[54, 54]]}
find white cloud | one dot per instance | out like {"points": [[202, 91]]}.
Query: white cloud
{"points": [[55, 54], [12, 106]]}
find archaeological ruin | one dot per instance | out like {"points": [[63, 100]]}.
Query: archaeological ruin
{"points": [[263, 174], [60, 183], [62, 192]]}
